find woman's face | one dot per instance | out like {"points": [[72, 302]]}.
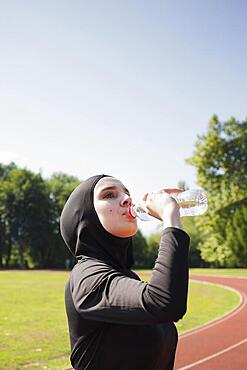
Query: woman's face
{"points": [[112, 202]]}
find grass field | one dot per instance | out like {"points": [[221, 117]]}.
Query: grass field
{"points": [[33, 324], [230, 272]]}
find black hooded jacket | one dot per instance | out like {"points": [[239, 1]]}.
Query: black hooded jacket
{"points": [[116, 321]]}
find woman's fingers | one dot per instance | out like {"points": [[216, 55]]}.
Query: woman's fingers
{"points": [[160, 203], [173, 190]]}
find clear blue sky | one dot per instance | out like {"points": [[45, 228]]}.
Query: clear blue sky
{"points": [[118, 87]]}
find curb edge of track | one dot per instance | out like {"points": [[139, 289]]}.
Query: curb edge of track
{"points": [[224, 317]]}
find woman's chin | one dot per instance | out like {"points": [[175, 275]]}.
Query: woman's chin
{"points": [[126, 233]]}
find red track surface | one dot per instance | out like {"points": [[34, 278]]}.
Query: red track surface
{"points": [[221, 345]]}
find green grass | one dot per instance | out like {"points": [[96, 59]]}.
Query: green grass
{"points": [[33, 324], [231, 272], [205, 303], [241, 272]]}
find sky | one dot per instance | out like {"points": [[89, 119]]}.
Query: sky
{"points": [[118, 87]]}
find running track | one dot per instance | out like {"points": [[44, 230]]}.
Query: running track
{"points": [[221, 345]]}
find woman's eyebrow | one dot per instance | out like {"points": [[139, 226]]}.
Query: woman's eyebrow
{"points": [[115, 188]]}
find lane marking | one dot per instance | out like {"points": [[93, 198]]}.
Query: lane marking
{"points": [[214, 355], [215, 321]]}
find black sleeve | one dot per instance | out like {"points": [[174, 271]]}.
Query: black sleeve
{"points": [[101, 293]]}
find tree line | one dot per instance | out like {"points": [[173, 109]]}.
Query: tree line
{"points": [[30, 208]]}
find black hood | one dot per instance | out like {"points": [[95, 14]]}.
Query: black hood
{"points": [[83, 233]]}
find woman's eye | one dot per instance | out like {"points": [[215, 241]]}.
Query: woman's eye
{"points": [[109, 195]]}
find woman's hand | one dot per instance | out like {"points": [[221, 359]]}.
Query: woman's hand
{"points": [[162, 206]]}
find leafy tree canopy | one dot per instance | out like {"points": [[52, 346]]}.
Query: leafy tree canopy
{"points": [[220, 159]]}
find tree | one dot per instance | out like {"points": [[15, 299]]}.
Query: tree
{"points": [[153, 246], [192, 227], [60, 186], [220, 159], [25, 207], [30, 209], [140, 248], [5, 241]]}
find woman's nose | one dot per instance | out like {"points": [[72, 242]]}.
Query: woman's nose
{"points": [[126, 201]]}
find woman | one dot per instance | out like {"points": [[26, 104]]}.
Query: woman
{"points": [[116, 321]]}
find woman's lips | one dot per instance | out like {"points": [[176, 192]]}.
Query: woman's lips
{"points": [[130, 213]]}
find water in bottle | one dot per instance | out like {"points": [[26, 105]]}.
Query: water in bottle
{"points": [[192, 203]]}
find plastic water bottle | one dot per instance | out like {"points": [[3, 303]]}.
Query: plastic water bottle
{"points": [[192, 203]]}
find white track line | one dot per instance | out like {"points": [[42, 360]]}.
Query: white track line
{"points": [[217, 320], [214, 355], [235, 311], [214, 322]]}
